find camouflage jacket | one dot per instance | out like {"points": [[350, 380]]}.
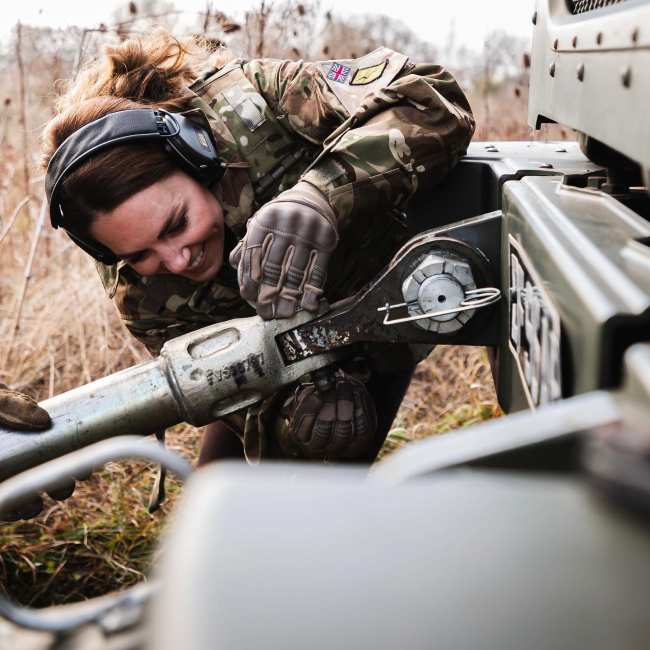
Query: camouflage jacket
{"points": [[369, 133]]}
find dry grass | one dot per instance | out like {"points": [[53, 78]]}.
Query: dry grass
{"points": [[450, 389], [100, 539]]}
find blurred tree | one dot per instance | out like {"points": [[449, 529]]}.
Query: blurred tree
{"points": [[355, 36], [500, 59], [139, 17]]}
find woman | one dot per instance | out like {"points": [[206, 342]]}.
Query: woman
{"points": [[320, 161]]}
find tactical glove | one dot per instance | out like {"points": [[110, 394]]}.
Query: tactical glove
{"points": [[20, 412], [338, 423], [282, 261]]}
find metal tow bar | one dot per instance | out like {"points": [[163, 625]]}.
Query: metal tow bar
{"points": [[440, 284]]}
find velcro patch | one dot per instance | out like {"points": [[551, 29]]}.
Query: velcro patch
{"points": [[364, 76], [371, 72], [339, 73]]}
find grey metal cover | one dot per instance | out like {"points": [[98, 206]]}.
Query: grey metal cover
{"points": [[591, 71], [294, 558]]}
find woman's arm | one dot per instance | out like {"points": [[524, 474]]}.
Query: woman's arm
{"points": [[390, 128]]}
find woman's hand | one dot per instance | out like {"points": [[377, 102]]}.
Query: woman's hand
{"points": [[20, 412], [282, 261], [338, 422]]}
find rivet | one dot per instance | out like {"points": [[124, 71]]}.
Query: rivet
{"points": [[599, 38], [574, 41], [580, 72], [626, 76], [551, 69], [556, 43], [535, 18]]}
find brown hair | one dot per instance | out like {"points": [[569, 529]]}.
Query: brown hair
{"points": [[140, 72]]}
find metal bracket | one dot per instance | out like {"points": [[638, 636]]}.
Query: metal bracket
{"points": [[355, 320]]}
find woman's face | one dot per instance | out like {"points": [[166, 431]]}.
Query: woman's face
{"points": [[173, 226]]}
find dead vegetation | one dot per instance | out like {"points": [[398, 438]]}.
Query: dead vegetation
{"points": [[57, 329]]}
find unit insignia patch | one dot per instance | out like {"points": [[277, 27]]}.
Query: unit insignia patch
{"points": [[367, 75]]}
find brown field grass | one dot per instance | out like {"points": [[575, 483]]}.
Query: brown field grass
{"points": [[58, 331]]}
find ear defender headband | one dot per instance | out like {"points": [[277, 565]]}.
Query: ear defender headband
{"points": [[186, 136]]}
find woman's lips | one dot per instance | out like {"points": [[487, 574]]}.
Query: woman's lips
{"points": [[197, 260], [206, 258]]}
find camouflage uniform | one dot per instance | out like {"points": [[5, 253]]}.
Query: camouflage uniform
{"points": [[368, 133]]}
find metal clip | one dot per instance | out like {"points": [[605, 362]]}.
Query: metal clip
{"points": [[158, 494], [475, 299]]}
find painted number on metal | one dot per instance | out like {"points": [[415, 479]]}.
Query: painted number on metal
{"points": [[534, 331]]}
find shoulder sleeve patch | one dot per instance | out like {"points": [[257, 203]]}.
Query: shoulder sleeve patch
{"points": [[352, 79], [365, 76]]}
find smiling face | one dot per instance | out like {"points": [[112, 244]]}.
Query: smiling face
{"points": [[173, 226]]}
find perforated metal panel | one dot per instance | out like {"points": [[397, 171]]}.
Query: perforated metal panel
{"points": [[582, 6]]}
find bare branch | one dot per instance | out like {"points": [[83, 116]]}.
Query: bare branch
{"points": [[23, 103], [13, 217], [27, 275]]}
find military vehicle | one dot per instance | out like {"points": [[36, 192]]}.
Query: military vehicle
{"points": [[527, 531]]}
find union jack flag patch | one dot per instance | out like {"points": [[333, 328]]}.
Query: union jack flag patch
{"points": [[339, 72]]}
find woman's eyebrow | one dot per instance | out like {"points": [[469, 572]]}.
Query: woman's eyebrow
{"points": [[177, 211]]}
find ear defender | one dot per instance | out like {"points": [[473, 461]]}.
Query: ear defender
{"points": [[186, 136]]}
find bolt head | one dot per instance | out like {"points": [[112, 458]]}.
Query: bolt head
{"points": [[438, 276], [626, 76], [438, 293], [430, 265]]}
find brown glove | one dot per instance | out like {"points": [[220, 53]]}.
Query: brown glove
{"points": [[20, 412], [282, 261], [339, 423]]}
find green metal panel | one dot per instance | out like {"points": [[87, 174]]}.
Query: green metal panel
{"points": [[588, 250]]}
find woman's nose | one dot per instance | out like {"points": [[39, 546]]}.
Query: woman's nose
{"points": [[175, 259]]}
